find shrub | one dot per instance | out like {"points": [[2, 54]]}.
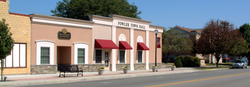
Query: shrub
{"points": [[177, 62], [101, 68], [197, 62], [188, 62]]}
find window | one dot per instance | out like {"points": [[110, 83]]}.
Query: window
{"points": [[17, 56], [98, 56], [45, 55], [81, 51], [139, 56], [45, 52], [81, 55], [122, 56]]}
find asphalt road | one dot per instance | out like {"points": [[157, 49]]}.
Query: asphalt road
{"points": [[213, 78]]}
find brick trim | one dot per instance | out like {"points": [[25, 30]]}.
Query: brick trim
{"points": [[19, 14]]}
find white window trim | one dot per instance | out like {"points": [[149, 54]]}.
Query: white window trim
{"points": [[44, 43], [84, 46], [141, 56], [124, 57]]}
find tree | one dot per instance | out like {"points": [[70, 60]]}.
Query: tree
{"points": [[174, 42], [245, 31], [177, 62], [239, 47], [81, 9], [6, 43], [218, 37]]}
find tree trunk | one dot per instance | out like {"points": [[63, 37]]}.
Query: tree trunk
{"points": [[217, 56], [167, 58], [164, 58], [2, 63]]}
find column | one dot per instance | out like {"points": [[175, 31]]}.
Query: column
{"points": [[132, 51], [113, 36], [147, 52]]}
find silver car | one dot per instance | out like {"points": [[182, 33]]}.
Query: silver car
{"points": [[239, 64]]}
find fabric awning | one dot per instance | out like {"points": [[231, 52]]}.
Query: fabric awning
{"points": [[141, 46], [124, 45], [105, 44]]}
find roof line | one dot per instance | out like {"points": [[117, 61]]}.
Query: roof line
{"points": [[19, 14]]}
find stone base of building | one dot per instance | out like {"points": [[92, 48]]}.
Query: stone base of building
{"points": [[52, 69], [43, 69], [159, 65], [119, 67], [140, 66], [90, 67]]}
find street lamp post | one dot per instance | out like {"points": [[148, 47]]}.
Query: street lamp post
{"points": [[156, 32]]}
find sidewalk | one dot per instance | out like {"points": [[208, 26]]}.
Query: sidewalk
{"points": [[18, 80]]}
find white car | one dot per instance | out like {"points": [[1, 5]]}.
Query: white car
{"points": [[239, 64]]}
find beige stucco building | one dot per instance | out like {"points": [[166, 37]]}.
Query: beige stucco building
{"points": [[113, 42], [42, 43], [18, 62]]}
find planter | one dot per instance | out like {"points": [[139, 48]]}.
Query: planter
{"points": [[100, 71], [172, 68], [154, 69], [125, 70]]}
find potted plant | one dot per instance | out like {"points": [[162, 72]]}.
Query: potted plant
{"points": [[154, 69], [125, 69], [100, 70], [172, 67]]}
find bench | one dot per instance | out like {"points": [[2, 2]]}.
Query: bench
{"points": [[69, 68]]}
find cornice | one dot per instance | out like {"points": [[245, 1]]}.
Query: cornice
{"points": [[61, 21], [128, 18]]}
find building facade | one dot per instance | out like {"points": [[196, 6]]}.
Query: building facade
{"points": [[18, 61], [42, 43], [112, 42]]}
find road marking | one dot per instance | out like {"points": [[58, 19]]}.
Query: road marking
{"points": [[174, 83], [105, 82]]}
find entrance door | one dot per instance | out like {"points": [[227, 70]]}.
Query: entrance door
{"points": [[63, 55], [106, 59]]}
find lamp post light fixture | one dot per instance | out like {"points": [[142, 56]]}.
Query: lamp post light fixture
{"points": [[156, 32]]}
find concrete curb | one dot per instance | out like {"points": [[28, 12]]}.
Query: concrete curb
{"points": [[76, 79]]}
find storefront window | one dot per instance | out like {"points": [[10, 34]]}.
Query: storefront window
{"points": [[44, 55], [122, 56], [98, 56], [139, 56], [81, 55]]}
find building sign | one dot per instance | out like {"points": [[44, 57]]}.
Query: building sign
{"points": [[158, 42], [64, 34], [126, 24]]}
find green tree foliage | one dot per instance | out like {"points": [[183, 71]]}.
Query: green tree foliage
{"points": [[245, 31], [218, 37], [178, 62], [174, 42], [197, 62], [6, 43], [81, 9]]}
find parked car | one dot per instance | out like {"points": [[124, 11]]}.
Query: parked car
{"points": [[239, 64]]}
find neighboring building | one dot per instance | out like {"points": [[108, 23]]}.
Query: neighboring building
{"points": [[194, 35], [18, 62], [114, 42]]}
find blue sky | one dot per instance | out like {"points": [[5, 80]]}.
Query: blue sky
{"points": [[167, 13]]}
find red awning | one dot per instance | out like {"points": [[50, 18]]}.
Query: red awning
{"points": [[141, 46], [124, 45], [105, 44]]}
